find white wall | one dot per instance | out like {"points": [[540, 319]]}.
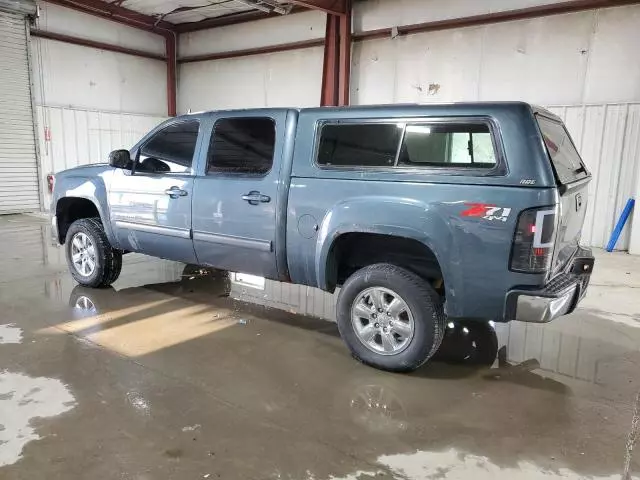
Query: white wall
{"points": [[580, 58], [286, 79], [376, 14], [292, 78], [54, 18], [271, 31], [83, 77]]}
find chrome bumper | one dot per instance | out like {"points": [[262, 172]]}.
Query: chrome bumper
{"points": [[559, 297]]}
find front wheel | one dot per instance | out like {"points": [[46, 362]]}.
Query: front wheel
{"points": [[390, 318], [91, 259]]}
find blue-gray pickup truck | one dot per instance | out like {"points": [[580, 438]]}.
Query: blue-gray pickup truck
{"points": [[416, 213]]}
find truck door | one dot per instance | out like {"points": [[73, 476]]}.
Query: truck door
{"points": [[236, 199], [151, 204]]}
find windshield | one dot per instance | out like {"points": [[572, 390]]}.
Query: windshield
{"points": [[564, 156]]}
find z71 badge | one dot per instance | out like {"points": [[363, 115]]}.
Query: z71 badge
{"points": [[486, 211]]}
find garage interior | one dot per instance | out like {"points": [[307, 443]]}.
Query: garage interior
{"points": [[178, 372]]}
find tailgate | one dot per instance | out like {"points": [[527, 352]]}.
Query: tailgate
{"points": [[573, 179]]}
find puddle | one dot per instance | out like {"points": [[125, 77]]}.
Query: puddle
{"points": [[23, 399], [10, 334]]}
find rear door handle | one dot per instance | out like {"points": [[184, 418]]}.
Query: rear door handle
{"points": [[175, 192], [255, 197]]}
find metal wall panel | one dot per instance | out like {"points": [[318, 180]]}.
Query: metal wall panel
{"points": [[608, 138], [70, 137], [18, 164]]}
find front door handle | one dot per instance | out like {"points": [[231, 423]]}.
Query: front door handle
{"points": [[175, 192], [254, 198]]}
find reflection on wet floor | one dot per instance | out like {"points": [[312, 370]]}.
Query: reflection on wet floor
{"points": [[181, 372]]}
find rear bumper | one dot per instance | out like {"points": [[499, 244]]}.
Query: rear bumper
{"points": [[559, 297]]}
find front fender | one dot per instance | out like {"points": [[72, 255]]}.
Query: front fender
{"points": [[400, 217], [92, 188]]}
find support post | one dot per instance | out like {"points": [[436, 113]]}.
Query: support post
{"points": [[336, 72], [344, 75], [171, 41], [329, 96]]}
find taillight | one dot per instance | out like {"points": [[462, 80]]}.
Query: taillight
{"points": [[533, 242], [51, 182]]}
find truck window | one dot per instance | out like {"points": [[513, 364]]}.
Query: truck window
{"points": [[242, 145], [170, 150], [447, 145], [364, 145], [562, 152]]}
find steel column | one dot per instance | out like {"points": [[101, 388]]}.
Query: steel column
{"points": [[336, 70], [344, 71], [330, 85], [171, 40]]}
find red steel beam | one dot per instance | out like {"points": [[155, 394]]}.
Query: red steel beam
{"points": [[283, 47], [91, 43], [333, 7], [116, 13], [171, 47], [344, 64], [331, 64], [497, 17]]}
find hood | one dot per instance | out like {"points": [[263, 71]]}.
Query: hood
{"points": [[84, 170]]}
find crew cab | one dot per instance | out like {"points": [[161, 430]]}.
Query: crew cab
{"points": [[415, 213]]}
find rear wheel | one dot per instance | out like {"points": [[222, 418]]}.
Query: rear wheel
{"points": [[390, 318], [91, 259]]}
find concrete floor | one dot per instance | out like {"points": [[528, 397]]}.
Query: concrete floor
{"points": [[167, 377]]}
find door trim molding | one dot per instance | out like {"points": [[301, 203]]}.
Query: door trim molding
{"points": [[143, 227], [233, 241]]}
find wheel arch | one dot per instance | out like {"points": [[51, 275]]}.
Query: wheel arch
{"points": [[84, 195], [68, 209], [394, 246]]}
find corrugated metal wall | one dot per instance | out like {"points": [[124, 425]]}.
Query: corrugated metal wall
{"points": [[608, 137], [70, 137], [18, 159]]}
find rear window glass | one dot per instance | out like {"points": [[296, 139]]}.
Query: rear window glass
{"points": [[564, 156], [422, 145]]}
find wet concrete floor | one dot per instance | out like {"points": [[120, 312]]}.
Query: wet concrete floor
{"points": [[165, 376]]}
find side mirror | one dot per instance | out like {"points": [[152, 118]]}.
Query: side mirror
{"points": [[120, 159]]}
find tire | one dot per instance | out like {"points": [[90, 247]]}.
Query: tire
{"points": [[107, 261], [423, 310]]}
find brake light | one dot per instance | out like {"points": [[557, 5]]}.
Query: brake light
{"points": [[533, 242], [51, 182]]}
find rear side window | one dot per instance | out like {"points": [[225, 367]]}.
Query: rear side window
{"points": [[564, 156], [242, 145], [170, 150], [364, 145], [447, 145], [416, 145]]}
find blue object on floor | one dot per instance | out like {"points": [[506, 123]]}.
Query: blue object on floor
{"points": [[615, 235]]}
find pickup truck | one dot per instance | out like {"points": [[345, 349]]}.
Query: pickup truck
{"points": [[417, 214]]}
